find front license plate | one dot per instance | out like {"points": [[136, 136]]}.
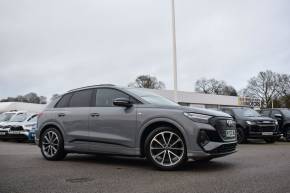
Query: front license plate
{"points": [[14, 132], [2, 133], [230, 133], [267, 133]]}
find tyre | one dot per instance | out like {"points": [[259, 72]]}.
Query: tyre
{"points": [[287, 133], [52, 145], [165, 148], [241, 136], [270, 140]]}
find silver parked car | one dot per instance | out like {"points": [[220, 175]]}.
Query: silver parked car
{"points": [[107, 119]]}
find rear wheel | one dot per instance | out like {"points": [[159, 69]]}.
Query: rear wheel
{"points": [[165, 148], [52, 145], [241, 136]]}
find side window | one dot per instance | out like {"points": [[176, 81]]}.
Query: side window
{"points": [[265, 113], [81, 98], [63, 102], [274, 112], [106, 96]]}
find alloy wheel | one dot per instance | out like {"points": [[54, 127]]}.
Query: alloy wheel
{"points": [[167, 148], [50, 144]]}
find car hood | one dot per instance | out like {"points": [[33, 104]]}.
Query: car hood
{"points": [[203, 111]]}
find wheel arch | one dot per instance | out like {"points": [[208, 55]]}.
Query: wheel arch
{"points": [[49, 125], [153, 124]]}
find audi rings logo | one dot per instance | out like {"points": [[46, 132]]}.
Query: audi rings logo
{"points": [[230, 123]]}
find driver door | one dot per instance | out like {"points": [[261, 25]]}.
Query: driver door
{"points": [[111, 127]]}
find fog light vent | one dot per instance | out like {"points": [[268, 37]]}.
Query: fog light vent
{"points": [[203, 138]]}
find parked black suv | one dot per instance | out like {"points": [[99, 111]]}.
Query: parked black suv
{"points": [[250, 124], [283, 118]]}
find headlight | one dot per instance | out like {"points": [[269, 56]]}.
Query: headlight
{"points": [[251, 122], [198, 117]]}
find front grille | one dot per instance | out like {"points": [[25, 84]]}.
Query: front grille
{"points": [[220, 124], [226, 148], [263, 128]]}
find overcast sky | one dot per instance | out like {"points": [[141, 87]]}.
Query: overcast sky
{"points": [[52, 46]]}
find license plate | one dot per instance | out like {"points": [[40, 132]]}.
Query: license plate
{"points": [[267, 133], [14, 132], [2, 133], [230, 133]]}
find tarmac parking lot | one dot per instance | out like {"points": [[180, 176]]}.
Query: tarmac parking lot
{"points": [[256, 167]]}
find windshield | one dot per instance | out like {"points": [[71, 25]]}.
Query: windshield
{"points": [[6, 117], [246, 112], [286, 112], [32, 119], [19, 117], [152, 98]]}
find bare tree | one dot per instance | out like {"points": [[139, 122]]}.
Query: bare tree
{"points": [[213, 86], [147, 81], [263, 86], [283, 84]]}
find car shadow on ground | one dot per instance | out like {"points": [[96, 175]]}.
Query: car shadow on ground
{"points": [[141, 163]]}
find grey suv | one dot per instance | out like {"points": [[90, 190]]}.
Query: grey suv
{"points": [[106, 119]]}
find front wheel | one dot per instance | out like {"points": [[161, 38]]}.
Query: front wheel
{"points": [[165, 148], [52, 145], [287, 133], [241, 136]]}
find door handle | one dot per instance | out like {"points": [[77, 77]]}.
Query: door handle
{"points": [[61, 114], [95, 114]]}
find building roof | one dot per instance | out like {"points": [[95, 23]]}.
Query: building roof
{"points": [[20, 106]]}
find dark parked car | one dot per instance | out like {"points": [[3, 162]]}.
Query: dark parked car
{"points": [[250, 124], [126, 121], [283, 118]]}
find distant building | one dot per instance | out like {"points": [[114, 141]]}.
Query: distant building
{"points": [[20, 106], [194, 99]]}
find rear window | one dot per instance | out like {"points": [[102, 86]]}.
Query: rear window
{"points": [[63, 102], [81, 98]]}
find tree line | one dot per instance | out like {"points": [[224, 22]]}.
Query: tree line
{"points": [[27, 98]]}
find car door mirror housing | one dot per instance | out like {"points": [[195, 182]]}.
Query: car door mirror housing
{"points": [[122, 102], [278, 116]]}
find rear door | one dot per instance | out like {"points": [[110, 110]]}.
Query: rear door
{"points": [[111, 127], [73, 113]]}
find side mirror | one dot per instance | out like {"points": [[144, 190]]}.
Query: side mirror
{"points": [[122, 102], [279, 116]]}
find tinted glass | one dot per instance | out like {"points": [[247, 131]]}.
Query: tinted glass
{"points": [[274, 112], [106, 96], [286, 112], [81, 98], [64, 101]]}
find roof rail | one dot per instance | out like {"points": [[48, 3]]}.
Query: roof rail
{"points": [[91, 87]]}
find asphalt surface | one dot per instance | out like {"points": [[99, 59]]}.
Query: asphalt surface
{"points": [[256, 167]]}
